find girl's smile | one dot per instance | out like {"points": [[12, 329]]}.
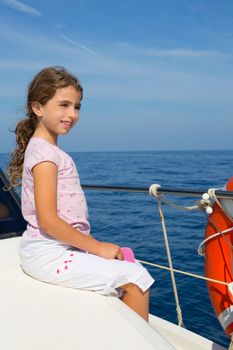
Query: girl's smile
{"points": [[66, 125]]}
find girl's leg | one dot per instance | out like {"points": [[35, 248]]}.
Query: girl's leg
{"points": [[136, 299]]}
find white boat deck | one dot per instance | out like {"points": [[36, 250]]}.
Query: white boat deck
{"points": [[35, 315]]}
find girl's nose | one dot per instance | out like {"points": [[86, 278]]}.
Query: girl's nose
{"points": [[73, 113]]}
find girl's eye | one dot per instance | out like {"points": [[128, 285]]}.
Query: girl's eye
{"points": [[77, 107]]}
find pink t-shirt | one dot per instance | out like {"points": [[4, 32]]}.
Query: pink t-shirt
{"points": [[71, 202]]}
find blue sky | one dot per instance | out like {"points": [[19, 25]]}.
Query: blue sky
{"points": [[157, 75]]}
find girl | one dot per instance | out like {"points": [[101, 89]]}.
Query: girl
{"points": [[57, 246]]}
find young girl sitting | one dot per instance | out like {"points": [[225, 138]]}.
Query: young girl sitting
{"points": [[57, 246]]}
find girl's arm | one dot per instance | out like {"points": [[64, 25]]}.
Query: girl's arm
{"points": [[45, 193]]}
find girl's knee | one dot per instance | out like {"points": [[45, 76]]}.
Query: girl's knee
{"points": [[132, 288]]}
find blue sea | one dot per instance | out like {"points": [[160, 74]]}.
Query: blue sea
{"points": [[132, 219]]}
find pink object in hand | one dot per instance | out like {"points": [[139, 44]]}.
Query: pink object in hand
{"points": [[128, 254]]}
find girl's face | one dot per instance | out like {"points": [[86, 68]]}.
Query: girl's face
{"points": [[59, 114]]}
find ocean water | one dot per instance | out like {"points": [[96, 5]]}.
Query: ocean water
{"points": [[132, 219]]}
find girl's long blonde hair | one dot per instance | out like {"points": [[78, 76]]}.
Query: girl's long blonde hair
{"points": [[42, 88]]}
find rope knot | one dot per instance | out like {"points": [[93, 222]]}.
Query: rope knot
{"points": [[211, 193], [153, 190], [205, 203]]}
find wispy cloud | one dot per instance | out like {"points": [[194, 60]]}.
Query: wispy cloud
{"points": [[77, 44], [62, 49], [172, 53], [17, 5], [182, 53], [121, 74]]}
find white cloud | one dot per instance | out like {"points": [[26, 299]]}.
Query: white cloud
{"points": [[108, 71], [17, 5], [66, 50], [172, 53], [182, 53], [185, 88], [77, 44]]}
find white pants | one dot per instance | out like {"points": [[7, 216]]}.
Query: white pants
{"points": [[75, 269]]}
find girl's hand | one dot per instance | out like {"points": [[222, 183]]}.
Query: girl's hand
{"points": [[110, 251]]}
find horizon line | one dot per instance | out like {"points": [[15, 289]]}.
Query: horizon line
{"points": [[137, 151]]}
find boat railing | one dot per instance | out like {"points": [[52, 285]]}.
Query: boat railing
{"points": [[185, 192], [208, 198], [219, 193]]}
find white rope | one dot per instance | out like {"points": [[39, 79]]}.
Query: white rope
{"points": [[153, 190], [179, 207], [211, 192], [220, 233], [185, 273], [178, 308], [205, 205], [202, 204]]}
